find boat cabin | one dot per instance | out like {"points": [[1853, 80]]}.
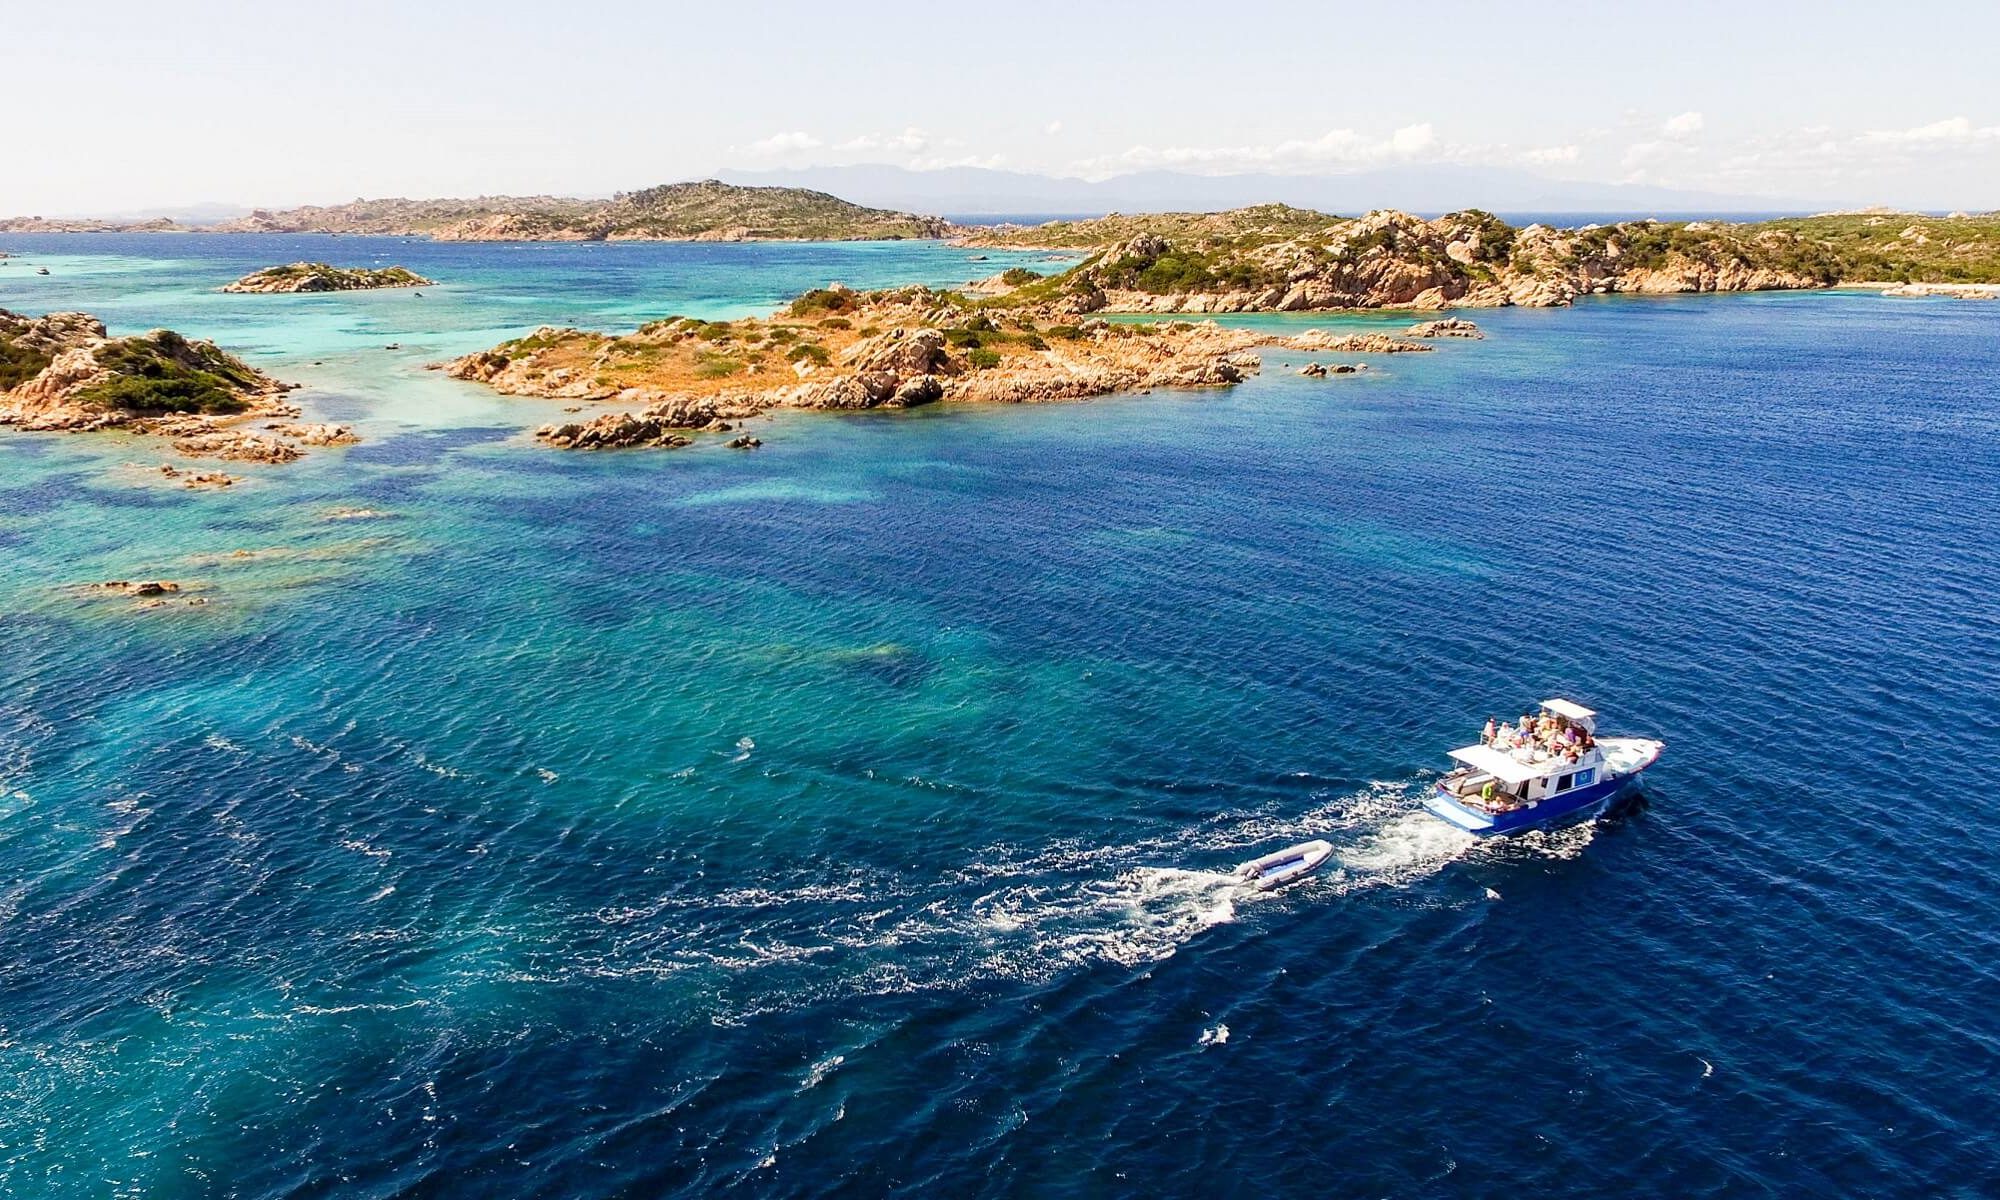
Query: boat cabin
{"points": [[1522, 769]]}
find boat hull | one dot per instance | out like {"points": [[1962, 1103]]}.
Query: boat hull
{"points": [[1629, 755], [1286, 866]]}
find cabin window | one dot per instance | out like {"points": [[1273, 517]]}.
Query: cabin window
{"points": [[1562, 785], [1584, 776]]}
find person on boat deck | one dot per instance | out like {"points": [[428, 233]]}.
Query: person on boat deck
{"points": [[1491, 789], [1488, 734]]}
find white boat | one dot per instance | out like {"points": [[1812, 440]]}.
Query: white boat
{"points": [[1525, 780], [1289, 865]]}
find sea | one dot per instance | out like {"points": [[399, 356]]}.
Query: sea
{"points": [[854, 816]]}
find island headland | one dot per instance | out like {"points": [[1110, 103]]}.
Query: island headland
{"points": [[837, 349], [61, 372]]}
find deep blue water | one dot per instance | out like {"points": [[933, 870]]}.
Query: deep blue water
{"points": [[848, 818]]}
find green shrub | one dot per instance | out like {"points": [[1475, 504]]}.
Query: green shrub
{"points": [[716, 366], [164, 372], [1017, 276], [824, 300], [1034, 342], [1068, 333], [836, 323], [18, 364], [983, 359], [962, 338], [193, 392], [809, 352]]}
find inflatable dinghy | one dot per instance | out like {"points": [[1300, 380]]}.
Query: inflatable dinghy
{"points": [[1289, 865]]}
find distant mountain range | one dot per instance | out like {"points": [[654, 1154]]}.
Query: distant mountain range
{"points": [[973, 191]]}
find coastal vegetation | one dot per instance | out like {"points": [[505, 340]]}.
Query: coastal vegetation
{"points": [[1905, 247], [324, 277], [19, 362], [162, 371]]}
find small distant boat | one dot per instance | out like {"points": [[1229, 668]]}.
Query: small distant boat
{"points": [[41, 270], [1557, 772], [1289, 865]]}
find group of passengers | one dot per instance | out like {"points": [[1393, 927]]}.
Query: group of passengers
{"points": [[1550, 734]]}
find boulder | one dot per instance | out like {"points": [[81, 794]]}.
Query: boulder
{"points": [[237, 445], [923, 389], [1446, 327], [902, 352], [612, 431], [317, 433]]}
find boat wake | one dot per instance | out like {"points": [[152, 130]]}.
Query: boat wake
{"points": [[1134, 912], [1022, 913]]}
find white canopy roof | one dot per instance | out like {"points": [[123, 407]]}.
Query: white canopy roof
{"points": [[1501, 765], [1568, 708]]}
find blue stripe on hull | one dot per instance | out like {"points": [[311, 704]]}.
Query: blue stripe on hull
{"points": [[1580, 804]]}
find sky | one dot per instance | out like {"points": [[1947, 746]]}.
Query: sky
{"points": [[119, 107]]}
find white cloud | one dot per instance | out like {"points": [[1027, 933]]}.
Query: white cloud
{"points": [[1684, 126], [1334, 148], [1551, 156], [1412, 140], [911, 141], [782, 143], [1952, 131], [1052, 128]]}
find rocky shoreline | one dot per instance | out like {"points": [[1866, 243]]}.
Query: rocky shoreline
{"points": [[324, 277], [838, 350], [1950, 291], [63, 373]]}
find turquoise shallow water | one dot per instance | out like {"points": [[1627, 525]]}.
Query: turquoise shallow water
{"points": [[848, 817]]}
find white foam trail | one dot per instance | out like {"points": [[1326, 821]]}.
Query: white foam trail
{"points": [[1032, 912], [1218, 1036], [820, 1070]]}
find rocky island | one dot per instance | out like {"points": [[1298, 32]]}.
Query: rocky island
{"points": [[324, 277], [704, 211], [837, 349], [61, 372], [1273, 258]]}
